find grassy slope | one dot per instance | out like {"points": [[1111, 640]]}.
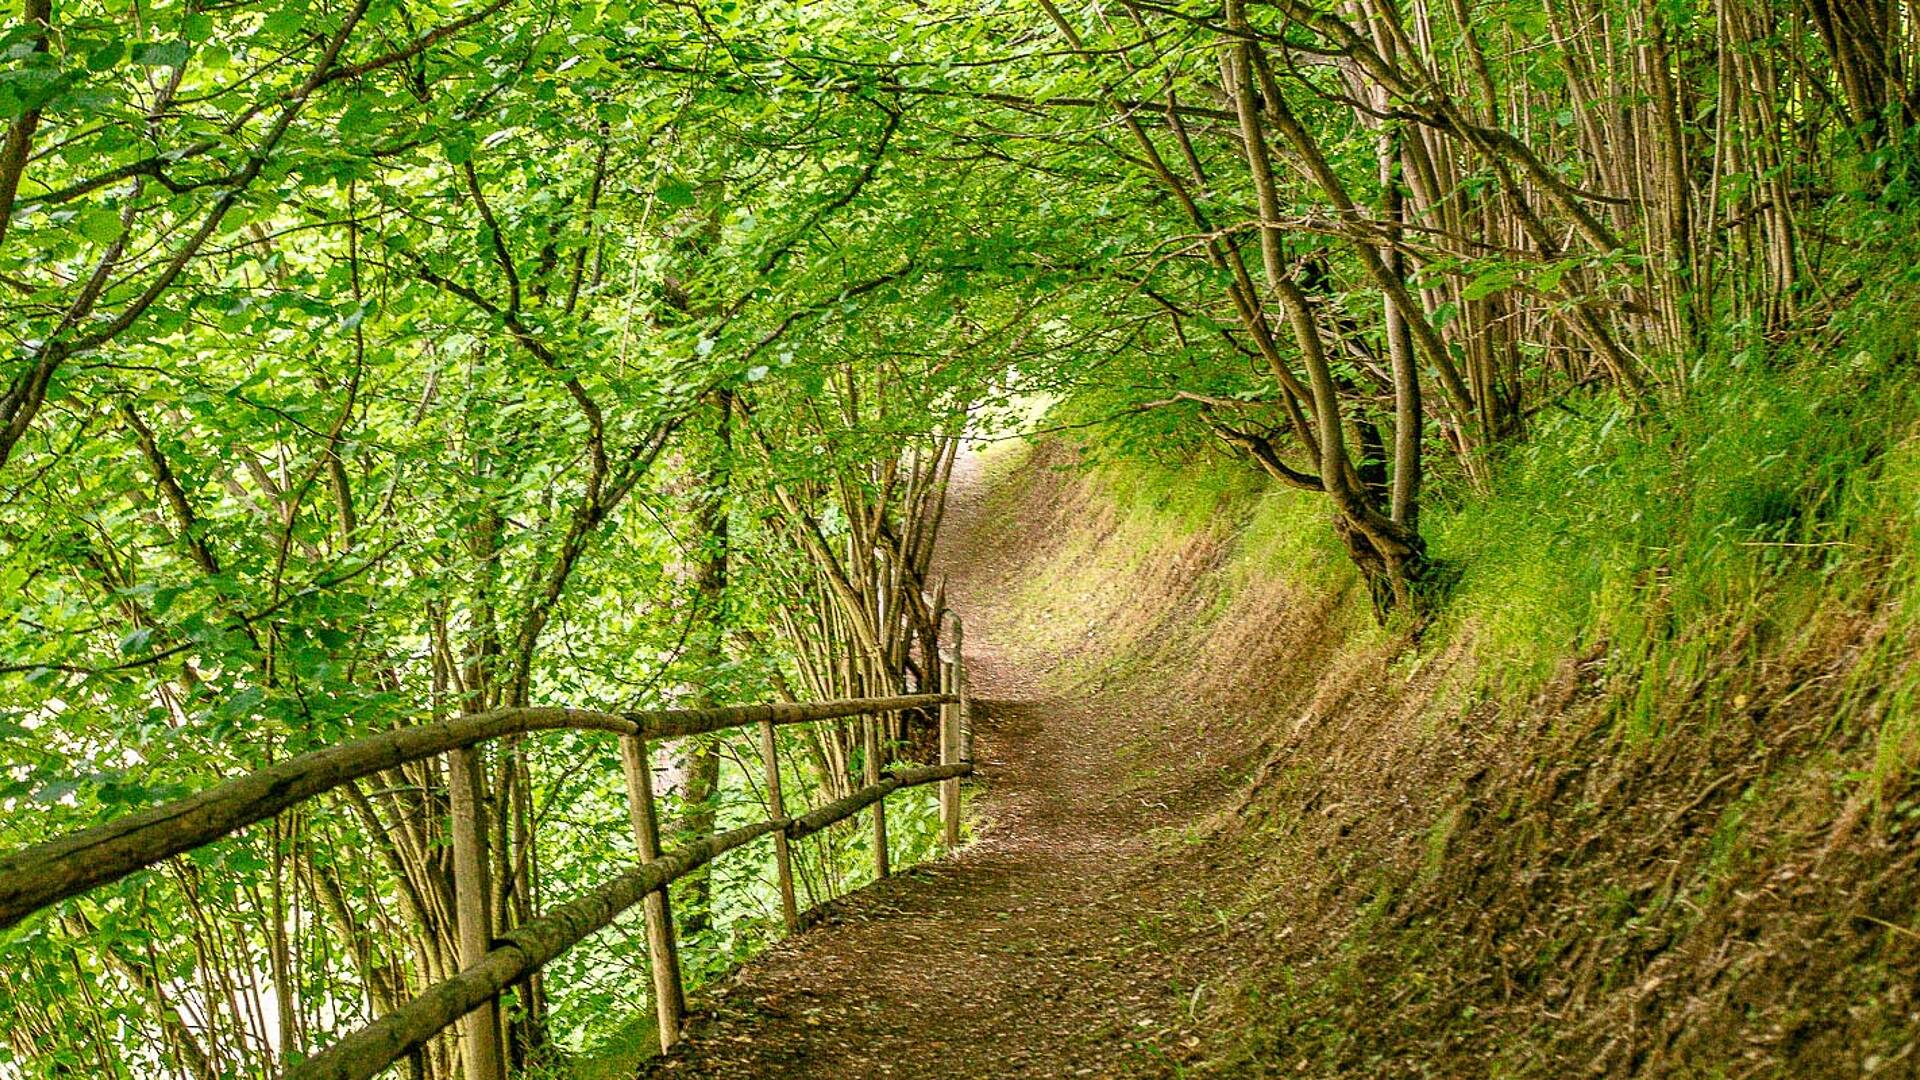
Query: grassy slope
{"points": [[1642, 800]]}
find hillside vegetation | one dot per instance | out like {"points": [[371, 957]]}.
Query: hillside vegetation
{"points": [[1640, 800]]}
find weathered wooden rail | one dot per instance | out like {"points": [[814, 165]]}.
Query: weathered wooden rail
{"points": [[36, 877]]}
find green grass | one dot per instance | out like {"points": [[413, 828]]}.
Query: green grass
{"points": [[1287, 535], [1000, 463], [1725, 524], [1682, 542], [1184, 500], [618, 1056]]}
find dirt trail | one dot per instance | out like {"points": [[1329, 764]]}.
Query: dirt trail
{"points": [[1060, 943]]}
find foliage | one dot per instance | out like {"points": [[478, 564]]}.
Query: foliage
{"points": [[369, 362]]}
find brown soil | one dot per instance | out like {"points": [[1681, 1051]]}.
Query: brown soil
{"points": [[1067, 939]]}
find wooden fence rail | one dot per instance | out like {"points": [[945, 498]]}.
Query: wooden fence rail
{"points": [[32, 878], [526, 949], [35, 877]]}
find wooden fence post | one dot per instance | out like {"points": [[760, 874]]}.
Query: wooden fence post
{"points": [[473, 926], [871, 730], [777, 809], [950, 753], [963, 687], [669, 1000]]}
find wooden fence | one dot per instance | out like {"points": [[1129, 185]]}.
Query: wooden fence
{"points": [[35, 877]]}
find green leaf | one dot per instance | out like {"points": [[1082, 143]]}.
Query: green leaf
{"points": [[676, 193], [1488, 283], [106, 56], [358, 119], [162, 54], [54, 792], [98, 224], [1548, 279], [285, 21]]}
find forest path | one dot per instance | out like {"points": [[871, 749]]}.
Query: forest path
{"points": [[1059, 943]]}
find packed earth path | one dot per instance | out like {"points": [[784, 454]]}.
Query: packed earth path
{"points": [[1069, 938]]}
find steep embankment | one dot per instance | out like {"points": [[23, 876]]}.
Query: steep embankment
{"points": [[1629, 807]]}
